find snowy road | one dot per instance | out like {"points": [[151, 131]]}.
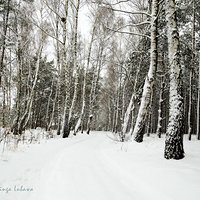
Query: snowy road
{"points": [[85, 171], [95, 167]]}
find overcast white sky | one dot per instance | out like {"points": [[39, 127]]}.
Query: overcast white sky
{"points": [[84, 21]]}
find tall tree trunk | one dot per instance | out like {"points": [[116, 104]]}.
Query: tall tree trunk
{"points": [[160, 108], [14, 128], [93, 90], [65, 129], [190, 107], [5, 28], [83, 103], [148, 86], [174, 138], [68, 119], [131, 102], [54, 107], [3, 51], [76, 68], [4, 106], [117, 111], [198, 103], [109, 116], [80, 120], [150, 116], [26, 116], [191, 74], [59, 68], [48, 105]]}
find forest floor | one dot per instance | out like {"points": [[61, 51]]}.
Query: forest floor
{"points": [[95, 167]]}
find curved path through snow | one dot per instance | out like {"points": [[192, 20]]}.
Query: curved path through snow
{"points": [[84, 170]]}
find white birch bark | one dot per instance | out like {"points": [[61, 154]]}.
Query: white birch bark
{"points": [[53, 111], [94, 88], [48, 104], [198, 103], [190, 107], [14, 128], [130, 106], [65, 126], [160, 110], [174, 138], [85, 79], [30, 100], [191, 75], [83, 103], [149, 81], [117, 109], [71, 110], [59, 68], [5, 30]]}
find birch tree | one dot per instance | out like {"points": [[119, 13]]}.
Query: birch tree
{"points": [[198, 101], [6, 7], [160, 108], [148, 86], [67, 120], [130, 107], [174, 138], [80, 120], [101, 37], [191, 74]]}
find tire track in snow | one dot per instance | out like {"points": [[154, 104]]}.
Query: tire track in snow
{"points": [[82, 171]]}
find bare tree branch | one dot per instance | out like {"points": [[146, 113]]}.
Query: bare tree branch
{"points": [[46, 3], [129, 12], [118, 2], [126, 32]]}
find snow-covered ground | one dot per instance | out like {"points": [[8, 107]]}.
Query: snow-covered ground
{"points": [[94, 167]]}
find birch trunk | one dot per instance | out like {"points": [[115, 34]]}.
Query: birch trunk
{"points": [[83, 104], [94, 88], [48, 105], [148, 86], [3, 51], [160, 109], [80, 120], [132, 119], [191, 73], [65, 126], [150, 115], [198, 103], [127, 114], [174, 138], [27, 113], [53, 112], [109, 116], [123, 99], [5, 29], [75, 63], [117, 111], [54, 107], [4, 106], [190, 107], [59, 68], [130, 106], [14, 128]]}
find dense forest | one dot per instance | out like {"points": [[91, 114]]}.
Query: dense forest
{"points": [[136, 71]]}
